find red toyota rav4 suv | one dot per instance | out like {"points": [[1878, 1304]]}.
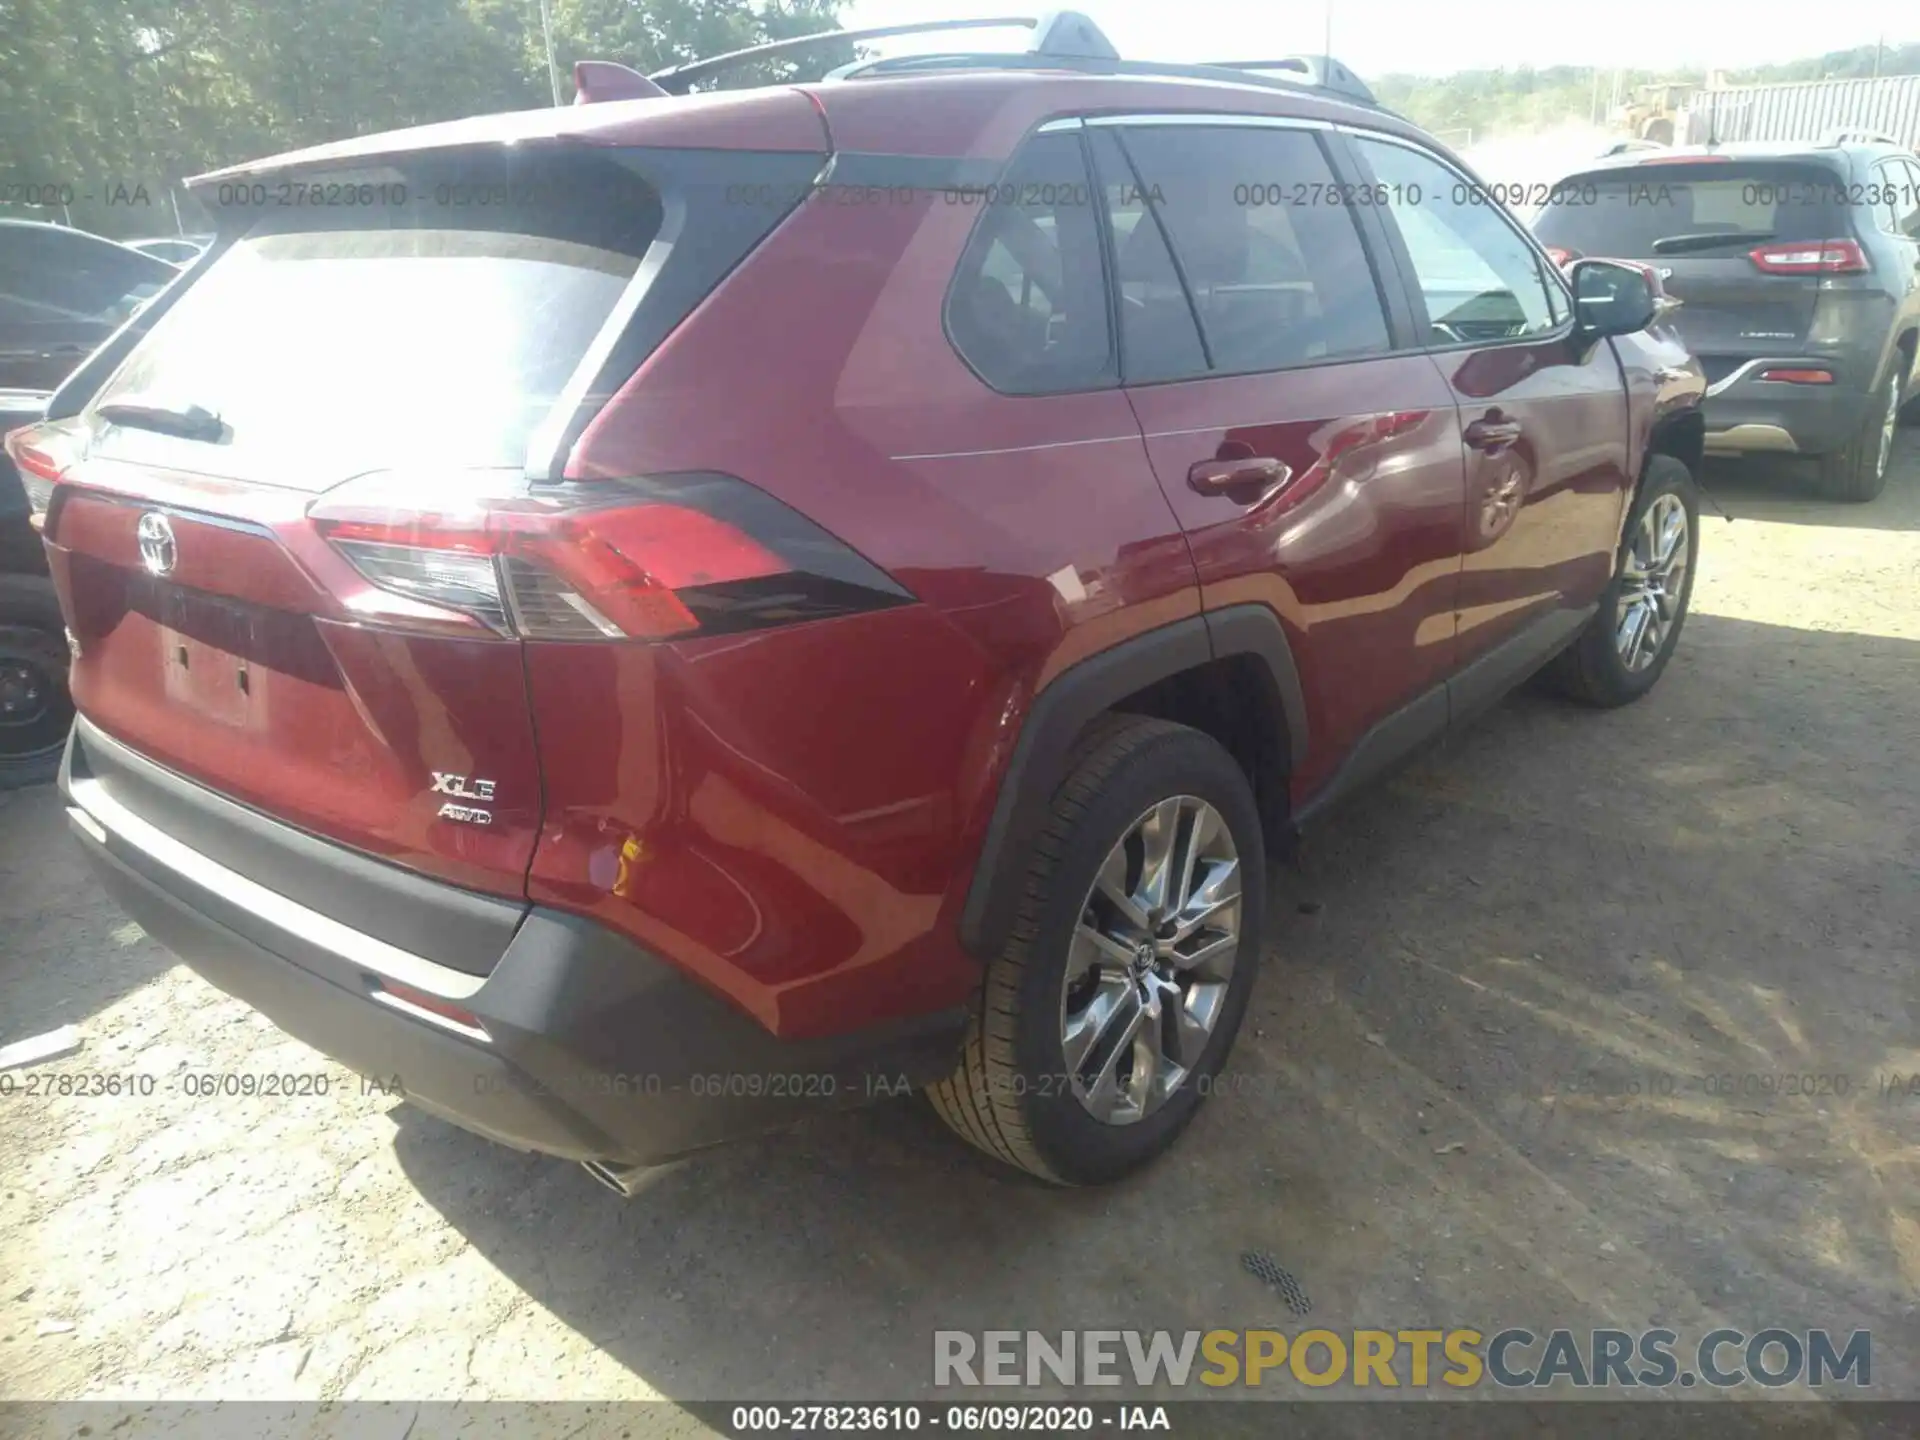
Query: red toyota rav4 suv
{"points": [[644, 619]]}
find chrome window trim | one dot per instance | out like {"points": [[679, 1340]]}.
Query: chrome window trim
{"points": [[546, 448], [1216, 119], [101, 816]]}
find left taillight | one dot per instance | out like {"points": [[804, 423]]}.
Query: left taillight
{"points": [[1811, 257], [42, 453], [660, 558]]}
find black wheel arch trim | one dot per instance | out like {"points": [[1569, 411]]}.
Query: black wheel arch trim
{"points": [[1063, 709]]}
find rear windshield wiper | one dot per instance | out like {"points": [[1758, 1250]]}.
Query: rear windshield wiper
{"points": [[189, 422], [1711, 240]]}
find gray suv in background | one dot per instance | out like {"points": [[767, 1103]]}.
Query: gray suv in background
{"points": [[1798, 269]]}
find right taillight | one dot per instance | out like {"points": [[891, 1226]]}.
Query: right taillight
{"points": [[652, 559], [1811, 257], [42, 453]]}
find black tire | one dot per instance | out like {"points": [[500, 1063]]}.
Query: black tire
{"points": [[1010, 1095], [33, 677], [1591, 670], [1857, 472]]}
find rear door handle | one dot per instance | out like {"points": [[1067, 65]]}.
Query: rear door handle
{"points": [[1492, 434], [1246, 480]]}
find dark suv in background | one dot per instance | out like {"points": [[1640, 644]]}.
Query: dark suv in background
{"points": [[665, 614], [1799, 271], [62, 292]]}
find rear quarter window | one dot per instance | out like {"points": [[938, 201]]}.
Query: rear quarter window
{"points": [[1028, 305], [1625, 213]]}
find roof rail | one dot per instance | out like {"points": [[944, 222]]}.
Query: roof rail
{"points": [[1854, 134], [1062, 39], [1320, 72], [1356, 94], [678, 79]]}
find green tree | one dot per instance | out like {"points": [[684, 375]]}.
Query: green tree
{"points": [[102, 93]]}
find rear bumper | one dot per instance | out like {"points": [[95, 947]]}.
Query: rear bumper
{"points": [[588, 1047], [1751, 415]]}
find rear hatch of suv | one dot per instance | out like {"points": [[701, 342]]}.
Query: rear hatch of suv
{"points": [[1743, 243], [275, 552]]}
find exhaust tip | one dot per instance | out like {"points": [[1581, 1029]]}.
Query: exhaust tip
{"points": [[626, 1181]]}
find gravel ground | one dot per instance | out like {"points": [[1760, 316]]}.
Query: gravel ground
{"points": [[1470, 1091]]}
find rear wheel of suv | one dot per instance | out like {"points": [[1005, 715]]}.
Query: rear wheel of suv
{"points": [[1100, 1028], [1858, 473], [35, 709], [1621, 653]]}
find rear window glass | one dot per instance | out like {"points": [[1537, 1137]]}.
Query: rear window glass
{"points": [[1624, 213], [435, 325]]}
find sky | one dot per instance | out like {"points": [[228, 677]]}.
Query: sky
{"points": [[1439, 37]]}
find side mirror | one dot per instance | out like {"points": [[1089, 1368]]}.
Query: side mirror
{"points": [[1612, 299]]}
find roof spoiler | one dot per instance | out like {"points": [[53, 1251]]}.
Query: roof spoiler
{"points": [[598, 80]]}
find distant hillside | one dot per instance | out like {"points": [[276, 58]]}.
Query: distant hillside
{"points": [[1525, 100]]}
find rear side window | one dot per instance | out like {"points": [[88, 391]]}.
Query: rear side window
{"points": [[1900, 186], [1159, 337], [435, 325], [1712, 209], [1028, 305], [1277, 272]]}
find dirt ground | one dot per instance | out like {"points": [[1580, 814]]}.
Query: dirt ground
{"points": [[1471, 1091]]}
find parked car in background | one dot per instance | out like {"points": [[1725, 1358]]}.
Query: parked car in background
{"points": [[35, 708], [62, 292], [636, 701], [1799, 271], [174, 249]]}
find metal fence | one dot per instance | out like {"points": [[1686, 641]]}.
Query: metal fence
{"points": [[1808, 110]]}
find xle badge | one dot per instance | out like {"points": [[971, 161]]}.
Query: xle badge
{"points": [[465, 789]]}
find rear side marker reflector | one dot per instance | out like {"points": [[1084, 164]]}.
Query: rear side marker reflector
{"points": [[659, 558], [424, 1005], [1799, 377], [42, 453]]}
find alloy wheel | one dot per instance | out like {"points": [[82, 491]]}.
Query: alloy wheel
{"points": [[28, 691], [1150, 960], [1652, 584]]}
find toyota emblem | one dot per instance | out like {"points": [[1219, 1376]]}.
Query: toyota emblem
{"points": [[157, 549]]}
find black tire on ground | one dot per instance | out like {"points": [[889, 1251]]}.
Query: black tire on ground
{"points": [[1591, 669], [1857, 472], [1010, 1095], [33, 661]]}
